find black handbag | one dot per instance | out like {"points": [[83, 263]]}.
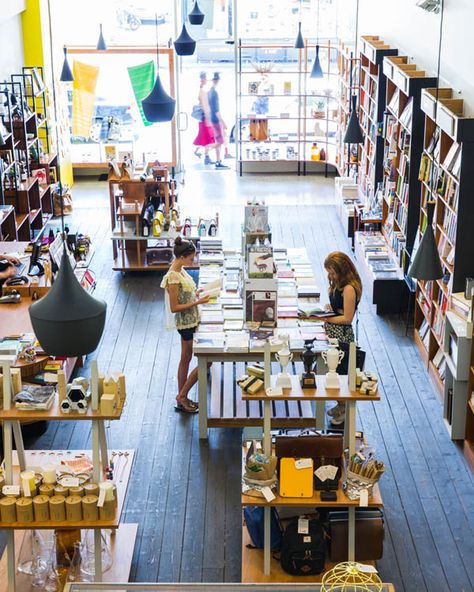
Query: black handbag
{"points": [[343, 367]]}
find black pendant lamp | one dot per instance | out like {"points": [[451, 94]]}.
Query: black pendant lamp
{"points": [[299, 43], [426, 264], [196, 17], [353, 133], [68, 321], [316, 70], [184, 44], [66, 72], [158, 106], [101, 45]]}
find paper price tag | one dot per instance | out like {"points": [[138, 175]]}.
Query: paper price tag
{"points": [[366, 568], [11, 490], [26, 488], [304, 463], [101, 500], [306, 539], [364, 498], [303, 526], [70, 482], [267, 493]]}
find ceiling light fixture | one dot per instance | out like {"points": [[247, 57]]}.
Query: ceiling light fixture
{"points": [[67, 321], [316, 70], [101, 45], [184, 44], [158, 106], [196, 17], [66, 72]]}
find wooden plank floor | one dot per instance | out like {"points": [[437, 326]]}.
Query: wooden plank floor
{"points": [[185, 493]]}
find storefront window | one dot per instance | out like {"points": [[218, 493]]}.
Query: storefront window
{"points": [[116, 124]]}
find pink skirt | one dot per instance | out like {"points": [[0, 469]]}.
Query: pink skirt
{"points": [[204, 137]]}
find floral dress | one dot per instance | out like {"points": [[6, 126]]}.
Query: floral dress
{"points": [[185, 319]]}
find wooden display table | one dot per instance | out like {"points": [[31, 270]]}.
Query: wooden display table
{"points": [[15, 462], [320, 394], [228, 409]]}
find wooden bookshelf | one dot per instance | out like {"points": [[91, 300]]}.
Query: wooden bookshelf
{"points": [[403, 136], [446, 175], [373, 83], [346, 61]]}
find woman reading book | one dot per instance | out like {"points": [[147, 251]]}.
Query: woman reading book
{"points": [[182, 299], [345, 291]]}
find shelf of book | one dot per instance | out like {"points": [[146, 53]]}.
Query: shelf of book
{"points": [[348, 63], [373, 97], [402, 138], [445, 172]]}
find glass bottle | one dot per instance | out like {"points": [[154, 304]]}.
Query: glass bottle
{"points": [[88, 559], [52, 583], [30, 553], [74, 573], [315, 152]]}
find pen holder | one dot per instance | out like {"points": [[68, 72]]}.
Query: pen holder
{"points": [[354, 484]]}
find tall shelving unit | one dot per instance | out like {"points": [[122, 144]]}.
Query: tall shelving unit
{"points": [[446, 175], [11, 419], [403, 132], [28, 142], [280, 113], [346, 61], [373, 96]]}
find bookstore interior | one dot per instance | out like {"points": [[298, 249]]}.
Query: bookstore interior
{"points": [[257, 214]]}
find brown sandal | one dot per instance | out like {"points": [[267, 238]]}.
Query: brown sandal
{"points": [[185, 406]]}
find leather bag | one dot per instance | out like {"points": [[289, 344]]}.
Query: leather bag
{"points": [[158, 255], [369, 534], [324, 449]]}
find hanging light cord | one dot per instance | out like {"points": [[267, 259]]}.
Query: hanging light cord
{"points": [[157, 46], [438, 72], [317, 27], [357, 29], [55, 108]]}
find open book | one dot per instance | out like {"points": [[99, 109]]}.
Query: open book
{"points": [[313, 311]]}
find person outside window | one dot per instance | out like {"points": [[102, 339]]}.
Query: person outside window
{"points": [[204, 137], [218, 125]]}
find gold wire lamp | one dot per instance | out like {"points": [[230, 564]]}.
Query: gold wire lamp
{"points": [[349, 577]]}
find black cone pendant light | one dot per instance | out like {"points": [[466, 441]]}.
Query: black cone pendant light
{"points": [[299, 43], [316, 70], [353, 133], [184, 44], [101, 45], [196, 17], [68, 321], [426, 264], [66, 73], [158, 106]]}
